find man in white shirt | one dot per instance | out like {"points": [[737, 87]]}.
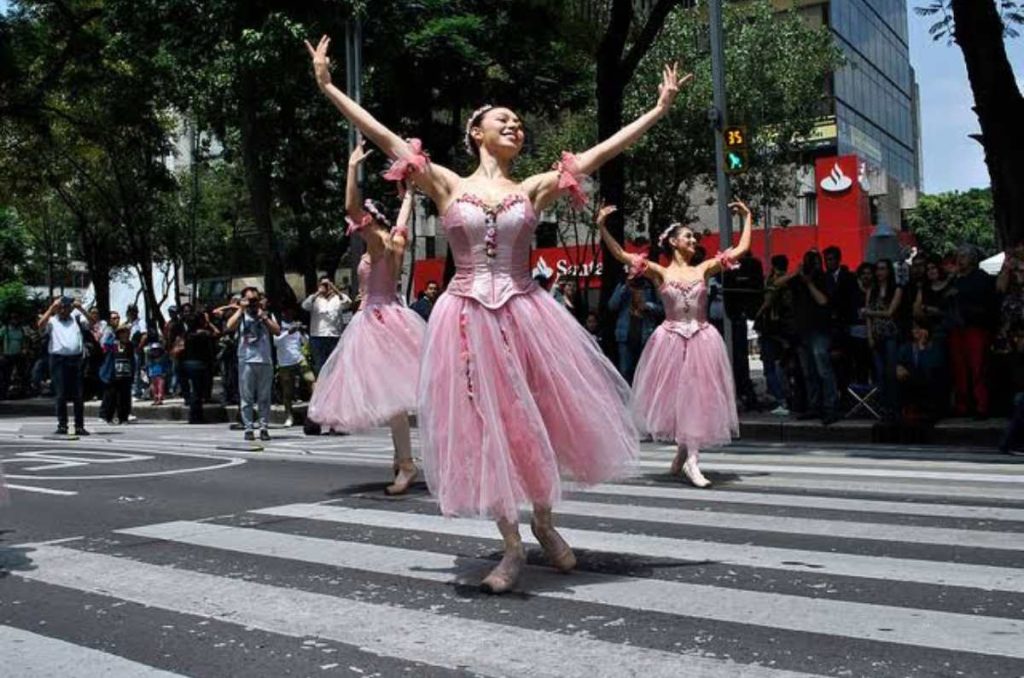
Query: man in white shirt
{"points": [[325, 307], [64, 321], [290, 361]]}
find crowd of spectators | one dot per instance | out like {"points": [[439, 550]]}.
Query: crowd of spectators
{"points": [[908, 341]]}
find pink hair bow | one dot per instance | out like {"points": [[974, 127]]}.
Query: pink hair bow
{"points": [[727, 260], [637, 266], [571, 180], [400, 232], [403, 168], [357, 226]]}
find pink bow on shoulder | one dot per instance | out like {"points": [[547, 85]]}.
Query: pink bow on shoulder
{"points": [[403, 168], [727, 261], [357, 226], [637, 267], [572, 180]]}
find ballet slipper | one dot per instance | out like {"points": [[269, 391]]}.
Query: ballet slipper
{"points": [[557, 551], [406, 474], [693, 474], [503, 578]]}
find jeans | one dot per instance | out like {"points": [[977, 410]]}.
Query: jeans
{"points": [[256, 382], [286, 379], [117, 399], [885, 354], [321, 348], [774, 372], [66, 373], [627, 361], [816, 362], [195, 375]]}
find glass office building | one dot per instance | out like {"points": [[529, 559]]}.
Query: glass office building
{"points": [[875, 91]]}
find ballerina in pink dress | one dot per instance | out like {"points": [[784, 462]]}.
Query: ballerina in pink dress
{"points": [[370, 377], [683, 389], [513, 391]]}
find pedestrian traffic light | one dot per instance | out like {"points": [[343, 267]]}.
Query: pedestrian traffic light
{"points": [[735, 138], [736, 161]]}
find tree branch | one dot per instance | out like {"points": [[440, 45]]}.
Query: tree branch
{"points": [[653, 26]]}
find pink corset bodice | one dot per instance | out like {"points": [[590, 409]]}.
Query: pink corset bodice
{"points": [[376, 280], [491, 248], [685, 306]]}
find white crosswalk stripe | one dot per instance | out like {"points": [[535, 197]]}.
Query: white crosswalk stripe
{"points": [[796, 564]]}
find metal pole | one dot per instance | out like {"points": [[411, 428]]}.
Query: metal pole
{"points": [[719, 115], [353, 85]]}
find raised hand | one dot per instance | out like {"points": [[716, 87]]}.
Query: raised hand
{"points": [[604, 213], [359, 153], [321, 62], [739, 207], [669, 87]]}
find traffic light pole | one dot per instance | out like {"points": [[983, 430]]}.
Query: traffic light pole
{"points": [[718, 120]]}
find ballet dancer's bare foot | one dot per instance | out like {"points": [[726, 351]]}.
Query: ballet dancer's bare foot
{"points": [[556, 550], [692, 472], [407, 473], [503, 578]]}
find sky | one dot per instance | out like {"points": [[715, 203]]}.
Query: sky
{"points": [[952, 161]]}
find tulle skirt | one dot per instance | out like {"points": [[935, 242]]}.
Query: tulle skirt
{"points": [[371, 374], [513, 398], [683, 390]]}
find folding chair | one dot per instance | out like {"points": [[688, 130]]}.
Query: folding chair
{"points": [[864, 396]]}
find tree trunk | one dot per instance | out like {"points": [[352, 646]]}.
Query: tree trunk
{"points": [[1000, 109], [257, 180]]}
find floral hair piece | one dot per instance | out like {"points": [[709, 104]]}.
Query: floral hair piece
{"points": [[371, 208], [468, 140], [665, 234]]}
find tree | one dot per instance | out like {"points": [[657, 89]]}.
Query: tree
{"points": [[943, 222], [978, 27], [777, 69], [14, 243]]}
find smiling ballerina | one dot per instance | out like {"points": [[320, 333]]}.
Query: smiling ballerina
{"points": [[683, 389], [513, 391]]}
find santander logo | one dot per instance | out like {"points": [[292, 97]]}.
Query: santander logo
{"points": [[542, 268], [836, 181]]}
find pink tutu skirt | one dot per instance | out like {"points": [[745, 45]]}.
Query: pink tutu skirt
{"points": [[683, 389], [371, 374], [513, 398]]}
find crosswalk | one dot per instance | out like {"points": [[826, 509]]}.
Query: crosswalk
{"points": [[819, 566]]}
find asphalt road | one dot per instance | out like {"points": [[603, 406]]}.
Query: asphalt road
{"points": [[173, 550]]}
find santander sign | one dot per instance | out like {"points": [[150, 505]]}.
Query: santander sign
{"points": [[836, 181]]}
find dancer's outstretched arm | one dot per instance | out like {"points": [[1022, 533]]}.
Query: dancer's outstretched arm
{"points": [[400, 233], [543, 189], [729, 256], [434, 180], [637, 264]]}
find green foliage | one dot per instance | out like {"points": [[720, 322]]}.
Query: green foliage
{"points": [[943, 222], [14, 299], [14, 245], [944, 27], [777, 68]]}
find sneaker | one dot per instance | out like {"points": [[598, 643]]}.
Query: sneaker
{"points": [[131, 418], [264, 434], [81, 431], [61, 431], [288, 423], [780, 411], [249, 435]]}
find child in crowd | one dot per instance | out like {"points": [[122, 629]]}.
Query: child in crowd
{"points": [[158, 366]]}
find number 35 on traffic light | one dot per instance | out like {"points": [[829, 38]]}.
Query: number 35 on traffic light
{"points": [[735, 149], [735, 137]]}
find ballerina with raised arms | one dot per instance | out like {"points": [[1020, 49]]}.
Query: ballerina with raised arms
{"points": [[683, 390], [513, 392]]}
